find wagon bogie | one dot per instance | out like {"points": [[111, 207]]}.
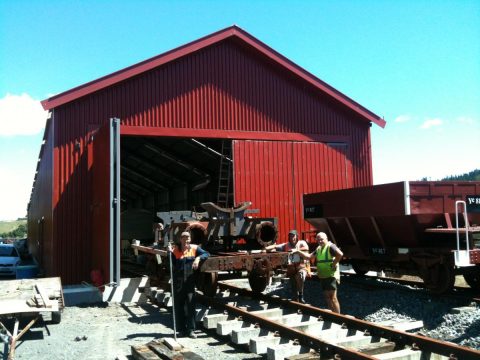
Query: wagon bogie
{"points": [[234, 241]]}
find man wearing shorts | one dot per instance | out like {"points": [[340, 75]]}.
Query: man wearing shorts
{"points": [[327, 256]]}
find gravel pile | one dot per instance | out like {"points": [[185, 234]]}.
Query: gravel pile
{"points": [[393, 303]]}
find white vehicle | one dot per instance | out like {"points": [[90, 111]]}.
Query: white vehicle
{"points": [[9, 259]]}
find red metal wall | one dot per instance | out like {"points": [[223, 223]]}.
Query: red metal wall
{"points": [[226, 87], [40, 215], [274, 175]]}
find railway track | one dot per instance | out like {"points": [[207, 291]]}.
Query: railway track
{"points": [[279, 329], [276, 328]]}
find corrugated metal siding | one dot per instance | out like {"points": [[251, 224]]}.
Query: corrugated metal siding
{"points": [[221, 87], [40, 221], [274, 175]]}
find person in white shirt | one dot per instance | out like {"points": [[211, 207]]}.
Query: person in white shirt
{"points": [[297, 268]]}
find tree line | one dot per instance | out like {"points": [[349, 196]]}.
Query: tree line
{"points": [[19, 232], [473, 175]]}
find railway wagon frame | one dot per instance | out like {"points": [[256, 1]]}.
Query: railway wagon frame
{"points": [[429, 229]]}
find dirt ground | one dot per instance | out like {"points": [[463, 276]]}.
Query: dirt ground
{"points": [[108, 332], [99, 332]]}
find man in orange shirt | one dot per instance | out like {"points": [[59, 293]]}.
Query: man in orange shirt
{"points": [[186, 258]]}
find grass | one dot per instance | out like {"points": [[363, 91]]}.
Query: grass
{"points": [[6, 226]]}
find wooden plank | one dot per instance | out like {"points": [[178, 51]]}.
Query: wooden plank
{"points": [[17, 295], [306, 356], [43, 293], [188, 355], [13, 344], [29, 325], [142, 352], [172, 344], [377, 348], [163, 351]]}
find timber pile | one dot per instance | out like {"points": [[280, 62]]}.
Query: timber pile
{"points": [[166, 348]]}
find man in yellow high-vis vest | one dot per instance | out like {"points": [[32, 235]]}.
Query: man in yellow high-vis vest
{"points": [[327, 256]]}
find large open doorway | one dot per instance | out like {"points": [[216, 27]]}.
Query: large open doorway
{"points": [[159, 174]]}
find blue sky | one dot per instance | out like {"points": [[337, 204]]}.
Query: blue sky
{"points": [[416, 63]]}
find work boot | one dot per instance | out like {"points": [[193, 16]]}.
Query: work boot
{"points": [[300, 298], [192, 335]]}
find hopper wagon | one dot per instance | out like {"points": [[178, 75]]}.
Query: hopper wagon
{"points": [[429, 229]]}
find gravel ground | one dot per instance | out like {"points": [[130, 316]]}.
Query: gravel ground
{"points": [[108, 331]]}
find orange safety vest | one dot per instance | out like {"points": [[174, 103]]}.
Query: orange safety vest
{"points": [[187, 253]]}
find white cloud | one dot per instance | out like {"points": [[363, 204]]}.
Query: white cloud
{"points": [[21, 115], [402, 118], [14, 192], [431, 123]]}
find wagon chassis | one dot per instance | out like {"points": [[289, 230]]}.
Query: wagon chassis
{"points": [[259, 266]]}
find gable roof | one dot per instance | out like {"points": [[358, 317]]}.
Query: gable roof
{"points": [[230, 32]]}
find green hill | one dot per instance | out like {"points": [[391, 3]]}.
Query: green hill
{"points": [[8, 226]]}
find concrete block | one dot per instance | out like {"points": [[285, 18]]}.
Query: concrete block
{"points": [[310, 327], [405, 354], [408, 325], [294, 319], [353, 341], [333, 334], [463, 309], [282, 351], [275, 313], [74, 295], [243, 335], [226, 327], [259, 345], [127, 291], [210, 321]]}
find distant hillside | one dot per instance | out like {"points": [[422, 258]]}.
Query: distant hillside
{"points": [[8, 226], [471, 176]]}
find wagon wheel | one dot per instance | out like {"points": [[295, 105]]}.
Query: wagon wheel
{"points": [[259, 277], [440, 278], [207, 283], [473, 278]]}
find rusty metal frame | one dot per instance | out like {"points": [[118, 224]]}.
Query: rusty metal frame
{"points": [[231, 262]]}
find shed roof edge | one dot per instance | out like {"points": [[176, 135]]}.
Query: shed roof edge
{"points": [[189, 48]]}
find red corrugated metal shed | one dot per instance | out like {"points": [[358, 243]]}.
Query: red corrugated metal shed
{"points": [[293, 133]]}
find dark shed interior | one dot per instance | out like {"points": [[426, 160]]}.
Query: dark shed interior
{"points": [[167, 173]]}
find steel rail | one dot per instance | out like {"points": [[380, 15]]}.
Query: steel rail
{"points": [[324, 348], [417, 342]]}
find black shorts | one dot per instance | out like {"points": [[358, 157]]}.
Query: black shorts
{"points": [[329, 283]]}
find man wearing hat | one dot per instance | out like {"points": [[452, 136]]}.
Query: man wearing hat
{"points": [[297, 269], [186, 258]]}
